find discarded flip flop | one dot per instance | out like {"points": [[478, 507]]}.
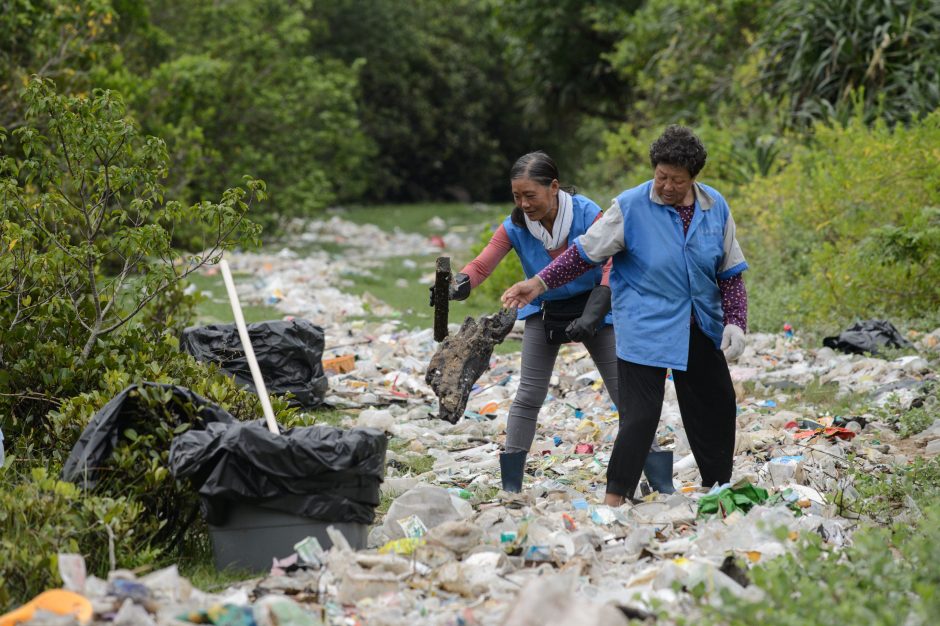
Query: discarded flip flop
{"points": [[58, 601]]}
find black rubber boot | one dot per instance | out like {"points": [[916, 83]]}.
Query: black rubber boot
{"points": [[658, 470], [511, 466]]}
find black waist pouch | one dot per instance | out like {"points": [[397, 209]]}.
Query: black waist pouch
{"points": [[557, 314]]}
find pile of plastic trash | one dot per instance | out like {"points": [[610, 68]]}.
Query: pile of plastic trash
{"points": [[452, 548]]}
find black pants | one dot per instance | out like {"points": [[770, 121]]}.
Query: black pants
{"points": [[706, 402]]}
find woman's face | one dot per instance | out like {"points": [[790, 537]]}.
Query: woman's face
{"points": [[673, 184], [537, 201]]}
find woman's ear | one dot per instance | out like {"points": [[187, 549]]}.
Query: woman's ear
{"points": [[555, 186]]}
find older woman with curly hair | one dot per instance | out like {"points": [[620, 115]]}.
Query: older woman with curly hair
{"points": [[678, 302]]}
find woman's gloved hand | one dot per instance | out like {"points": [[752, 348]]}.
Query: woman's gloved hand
{"points": [[459, 289], [732, 342], [598, 306]]}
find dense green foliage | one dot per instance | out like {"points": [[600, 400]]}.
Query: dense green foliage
{"points": [[91, 301], [437, 97], [850, 228], [41, 516], [348, 101], [820, 54], [87, 238], [232, 99]]}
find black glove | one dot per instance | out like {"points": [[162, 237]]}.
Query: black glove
{"points": [[597, 306], [459, 289]]}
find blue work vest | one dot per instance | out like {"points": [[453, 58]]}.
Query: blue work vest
{"points": [[664, 276], [535, 257]]}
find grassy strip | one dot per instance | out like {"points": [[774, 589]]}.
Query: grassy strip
{"points": [[213, 306]]}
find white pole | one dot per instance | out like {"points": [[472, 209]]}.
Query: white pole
{"points": [[246, 346]]}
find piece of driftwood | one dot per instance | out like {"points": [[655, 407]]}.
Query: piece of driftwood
{"points": [[463, 357], [441, 301]]}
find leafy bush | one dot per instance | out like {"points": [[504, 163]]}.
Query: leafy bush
{"points": [[236, 88], [87, 239], [437, 96], [63, 40], [849, 229], [887, 576], [652, 52], [507, 273], [91, 301], [823, 56], [41, 516]]}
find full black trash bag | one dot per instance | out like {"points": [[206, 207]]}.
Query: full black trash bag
{"points": [[126, 410], [319, 472], [867, 336], [289, 355]]}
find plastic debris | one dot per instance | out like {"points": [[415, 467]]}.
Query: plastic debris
{"points": [[413, 527], [553, 553]]}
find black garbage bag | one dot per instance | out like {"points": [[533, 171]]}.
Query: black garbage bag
{"points": [[289, 355], [127, 410], [867, 336], [320, 472]]}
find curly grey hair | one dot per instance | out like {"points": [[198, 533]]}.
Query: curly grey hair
{"points": [[680, 147]]}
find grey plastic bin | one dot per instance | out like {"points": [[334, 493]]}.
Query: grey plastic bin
{"points": [[252, 536]]}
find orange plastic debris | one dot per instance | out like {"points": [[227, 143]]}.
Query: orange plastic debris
{"points": [[58, 601], [489, 407], [340, 364]]}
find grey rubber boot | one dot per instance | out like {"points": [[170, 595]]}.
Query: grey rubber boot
{"points": [[511, 466], [658, 470]]}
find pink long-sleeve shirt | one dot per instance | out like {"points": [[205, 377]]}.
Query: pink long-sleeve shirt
{"points": [[499, 246]]}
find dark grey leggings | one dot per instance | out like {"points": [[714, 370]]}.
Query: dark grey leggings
{"points": [[538, 361]]}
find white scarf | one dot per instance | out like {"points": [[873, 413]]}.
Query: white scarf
{"points": [[559, 235]]}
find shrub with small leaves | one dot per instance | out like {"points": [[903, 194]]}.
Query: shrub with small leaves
{"points": [[41, 516]]}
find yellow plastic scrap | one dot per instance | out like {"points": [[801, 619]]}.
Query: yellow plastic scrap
{"points": [[404, 546], [588, 431]]}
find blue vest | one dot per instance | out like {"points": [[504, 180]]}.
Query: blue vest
{"points": [[664, 276], [534, 257]]}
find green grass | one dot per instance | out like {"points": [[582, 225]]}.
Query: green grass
{"points": [[205, 577], [415, 218], [399, 286], [414, 463], [214, 308], [323, 416]]}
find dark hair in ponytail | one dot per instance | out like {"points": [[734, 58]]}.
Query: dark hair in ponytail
{"points": [[536, 166]]}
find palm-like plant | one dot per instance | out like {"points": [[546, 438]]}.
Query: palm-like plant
{"points": [[823, 57]]}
